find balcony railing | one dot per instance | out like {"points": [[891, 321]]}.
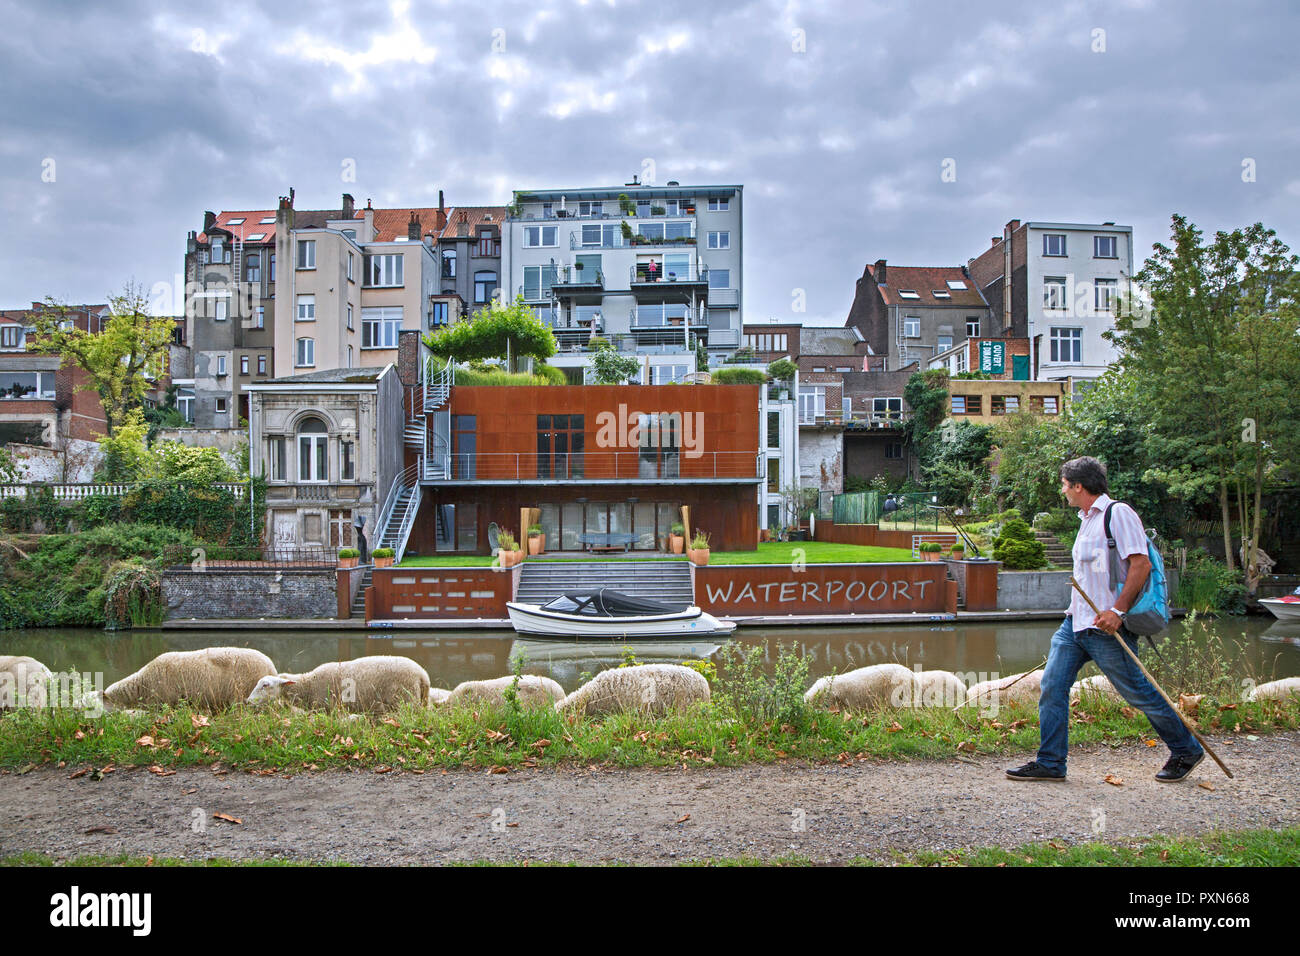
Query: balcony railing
{"points": [[835, 416], [649, 464], [79, 491], [693, 274], [610, 210]]}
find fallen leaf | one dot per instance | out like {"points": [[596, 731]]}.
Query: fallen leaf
{"points": [[894, 728], [512, 824], [80, 773], [226, 817], [79, 736], [1164, 855], [1113, 780], [100, 829], [1227, 707], [683, 818], [1056, 846], [1128, 712], [26, 769], [160, 771], [967, 746], [500, 770], [383, 768], [191, 790], [145, 741], [198, 720], [1205, 785], [544, 743], [1152, 743], [1016, 725], [391, 722]]}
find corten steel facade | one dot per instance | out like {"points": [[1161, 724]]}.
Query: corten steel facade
{"points": [[578, 454]]}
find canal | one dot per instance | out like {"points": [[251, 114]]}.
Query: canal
{"points": [[1258, 647]]}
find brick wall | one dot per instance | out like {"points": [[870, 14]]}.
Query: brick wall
{"points": [[248, 593]]}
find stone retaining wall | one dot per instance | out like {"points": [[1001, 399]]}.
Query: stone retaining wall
{"points": [[250, 593]]}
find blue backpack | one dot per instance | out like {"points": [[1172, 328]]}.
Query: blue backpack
{"points": [[1150, 612]]}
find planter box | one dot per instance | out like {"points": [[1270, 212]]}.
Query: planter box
{"points": [[384, 562], [348, 562]]}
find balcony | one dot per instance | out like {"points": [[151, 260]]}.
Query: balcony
{"points": [[642, 279], [873, 421], [574, 280], [649, 465], [610, 210], [724, 298]]}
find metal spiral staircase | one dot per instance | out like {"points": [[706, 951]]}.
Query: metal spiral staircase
{"points": [[432, 463]]}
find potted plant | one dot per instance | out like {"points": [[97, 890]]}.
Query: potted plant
{"points": [[930, 550], [678, 537], [508, 550], [536, 540], [658, 210], [958, 551], [383, 557], [700, 548], [348, 557]]}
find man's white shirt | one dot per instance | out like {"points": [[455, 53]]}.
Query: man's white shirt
{"points": [[1091, 564]]}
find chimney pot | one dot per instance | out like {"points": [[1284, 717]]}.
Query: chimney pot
{"points": [[995, 240], [1013, 225], [413, 228], [349, 206], [880, 272]]}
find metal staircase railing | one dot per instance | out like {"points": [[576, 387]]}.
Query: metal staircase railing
{"points": [[394, 525]]}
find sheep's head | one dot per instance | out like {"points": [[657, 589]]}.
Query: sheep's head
{"points": [[268, 689]]}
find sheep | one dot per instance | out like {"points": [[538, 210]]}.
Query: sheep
{"points": [[533, 691], [880, 685], [212, 677], [438, 696], [1027, 688], [939, 689], [1097, 686], [24, 682], [645, 688], [1277, 689], [371, 684]]}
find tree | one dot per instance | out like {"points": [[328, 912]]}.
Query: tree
{"points": [[121, 360], [782, 370], [610, 367], [511, 332], [1216, 365]]}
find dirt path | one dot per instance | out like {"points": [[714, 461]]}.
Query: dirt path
{"points": [[869, 808]]}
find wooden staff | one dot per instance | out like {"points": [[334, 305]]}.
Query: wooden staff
{"points": [[1181, 716]]}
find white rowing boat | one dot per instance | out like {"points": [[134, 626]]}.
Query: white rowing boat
{"points": [[1283, 608], [612, 615]]}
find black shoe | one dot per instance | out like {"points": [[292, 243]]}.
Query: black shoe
{"points": [[1179, 767], [1034, 771]]}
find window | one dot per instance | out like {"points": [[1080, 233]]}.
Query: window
{"points": [[642, 208], [313, 444], [347, 462], [351, 327], [664, 374], [219, 307], [464, 442], [261, 365], [449, 263], [590, 208], [1053, 292], [607, 235], [306, 308], [485, 284], [719, 205], [720, 240], [384, 271], [1004, 404], [812, 402], [1103, 247], [221, 406], [944, 343], [218, 249], [259, 317], [774, 475], [243, 365], [185, 403], [350, 258], [11, 337], [548, 210], [539, 236], [487, 244], [956, 284], [26, 385], [254, 268], [235, 222], [719, 278], [1044, 404], [889, 408], [272, 275], [819, 368], [1103, 294], [968, 404], [306, 356], [266, 221], [960, 365], [773, 429], [537, 282], [437, 314], [941, 293], [912, 326], [894, 449], [1067, 345], [306, 253], [379, 327], [1053, 244], [972, 326], [351, 364], [908, 294]]}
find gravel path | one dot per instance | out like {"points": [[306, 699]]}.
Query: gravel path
{"points": [[648, 815]]}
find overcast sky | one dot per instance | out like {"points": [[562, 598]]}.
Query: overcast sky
{"points": [[836, 117]]}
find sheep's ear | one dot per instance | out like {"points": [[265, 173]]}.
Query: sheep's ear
{"points": [[284, 681]]}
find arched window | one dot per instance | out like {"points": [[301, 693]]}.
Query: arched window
{"points": [[484, 283], [313, 446]]}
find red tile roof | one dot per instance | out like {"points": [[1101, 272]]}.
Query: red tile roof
{"points": [[391, 224], [474, 216], [925, 281], [251, 225]]}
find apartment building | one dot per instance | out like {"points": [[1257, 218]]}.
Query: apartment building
{"points": [[656, 270], [997, 357], [469, 256], [911, 313], [1056, 284]]}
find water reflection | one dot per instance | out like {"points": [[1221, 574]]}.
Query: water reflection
{"points": [[1264, 648]]}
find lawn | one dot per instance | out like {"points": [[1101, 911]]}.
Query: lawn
{"points": [[814, 552], [448, 561]]}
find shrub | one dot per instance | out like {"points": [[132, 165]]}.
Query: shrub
{"points": [[381, 553], [1206, 584], [133, 596], [753, 696], [1017, 548], [678, 527], [739, 376], [782, 370], [534, 530], [349, 553], [506, 542], [700, 542]]}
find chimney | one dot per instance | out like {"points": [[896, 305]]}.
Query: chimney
{"points": [[462, 227], [413, 228], [349, 206], [428, 240], [209, 220], [995, 240], [879, 272], [442, 211], [1013, 225]]}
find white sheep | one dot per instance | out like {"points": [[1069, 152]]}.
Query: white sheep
{"points": [[438, 696], [644, 688], [1277, 689], [371, 684], [1027, 687], [24, 682], [1098, 685], [212, 677], [879, 685], [533, 691], [939, 689]]}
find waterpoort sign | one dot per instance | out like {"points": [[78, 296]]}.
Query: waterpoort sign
{"points": [[822, 589]]}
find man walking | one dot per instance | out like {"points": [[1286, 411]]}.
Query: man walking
{"points": [[1085, 636]]}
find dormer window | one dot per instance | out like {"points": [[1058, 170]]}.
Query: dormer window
{"points": [[941, 293], [236, 222], [908, 294], [956, 284], [266, 220]]}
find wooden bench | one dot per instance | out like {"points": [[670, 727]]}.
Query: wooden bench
{"points": [[606, 541]]}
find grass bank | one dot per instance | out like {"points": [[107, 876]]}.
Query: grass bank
{"points": [[813, 552], [419, 740], [1224, 848]]}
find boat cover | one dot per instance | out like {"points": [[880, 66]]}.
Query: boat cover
{"points": [[606, 602]]}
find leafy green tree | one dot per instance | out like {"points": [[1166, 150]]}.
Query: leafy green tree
{"points": [[121, 361], [782, 370], [126, 456], [611, 367], [511, 332]]}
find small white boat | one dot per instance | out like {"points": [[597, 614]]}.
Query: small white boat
{"points": [[606, 613], [1284, 608]]}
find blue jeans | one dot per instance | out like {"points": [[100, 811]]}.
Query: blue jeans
{"points": [[1070, 652]]}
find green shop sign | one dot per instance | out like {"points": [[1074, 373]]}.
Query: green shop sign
{"points": [[993, 357]]}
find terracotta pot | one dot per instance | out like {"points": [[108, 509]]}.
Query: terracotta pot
{"points": [[519, 556], [679, 544], [535, 544], [700, 555], [384, 562], [930, 555], [348, 562]]}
